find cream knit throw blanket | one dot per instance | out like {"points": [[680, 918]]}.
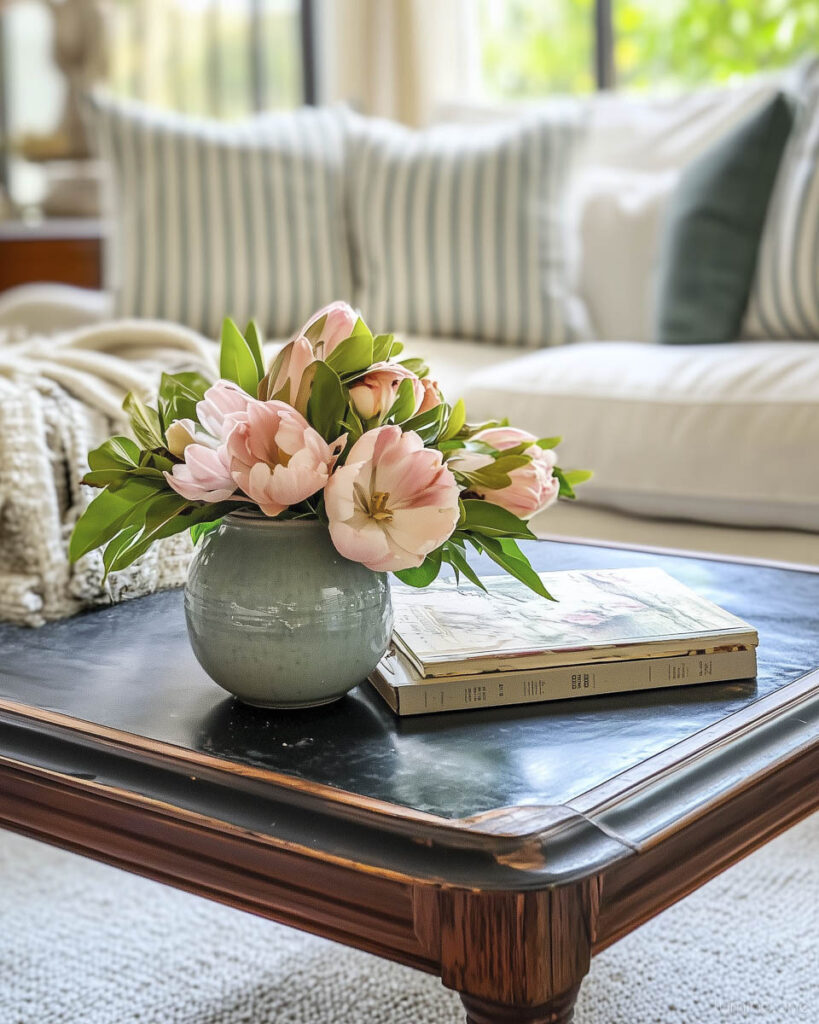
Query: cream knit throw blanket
{"points": [[60, 396]]}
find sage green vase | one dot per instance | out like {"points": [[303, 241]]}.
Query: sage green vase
{"points": [[277, 617]]}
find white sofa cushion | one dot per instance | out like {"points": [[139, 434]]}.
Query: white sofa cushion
{"points": [[717, 433]]}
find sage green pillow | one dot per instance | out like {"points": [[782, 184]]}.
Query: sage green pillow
{"points": [[713, 227]]}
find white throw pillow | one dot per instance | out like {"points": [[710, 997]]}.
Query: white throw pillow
{"points": [[720, 433], [461, 231], [213, 219]]}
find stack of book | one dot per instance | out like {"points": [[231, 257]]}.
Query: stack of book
{"points": [[609, 631]]}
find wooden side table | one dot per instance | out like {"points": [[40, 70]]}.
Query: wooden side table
{"points": [[67, 251]]}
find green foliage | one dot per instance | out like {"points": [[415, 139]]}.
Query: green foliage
{"points": [[145, 422], [535, 47], [327, 407], [179, 394], [237, 362], [255, 344], [352, 356]]}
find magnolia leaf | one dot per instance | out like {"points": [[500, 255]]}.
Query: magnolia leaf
{"points": [[456, 421], [313, 332], [116, 478], [111, 511], [256, 346], [199, 530], [416, 366], [117, 546], [425, 573], [468, 429], [385, 347], [548, 442], [427, 424], [577, 476], [492, 521], [457, 559], [327, 406], [511, 559], [145, 422], [179, 394], [404, 405], [567, 480], [115, 453], [353, 355], [236, 360]]}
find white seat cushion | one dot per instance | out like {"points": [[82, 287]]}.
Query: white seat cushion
{"points": [[717, 433]]}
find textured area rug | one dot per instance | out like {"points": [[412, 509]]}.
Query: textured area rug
{"points": [[82, 943]]}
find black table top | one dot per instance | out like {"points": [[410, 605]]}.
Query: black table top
{"points": [[129, 668]]}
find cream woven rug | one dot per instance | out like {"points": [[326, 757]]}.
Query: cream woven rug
{"points": [[82, 943]]}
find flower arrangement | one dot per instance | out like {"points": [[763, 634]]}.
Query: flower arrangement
{"points": [[337, 429]]}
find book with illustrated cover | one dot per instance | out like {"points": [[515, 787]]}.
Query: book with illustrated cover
{"points": [[408, 693], [600, 616]]}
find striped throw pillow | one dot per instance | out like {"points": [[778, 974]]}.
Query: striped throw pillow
{"points": [[213, 219], [784, 301], [460, 230]]}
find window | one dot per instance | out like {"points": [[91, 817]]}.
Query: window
{"points": [[532, 47]]}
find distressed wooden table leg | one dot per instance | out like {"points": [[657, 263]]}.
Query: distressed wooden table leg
{"points": [[516, 957], [559, 1010]]}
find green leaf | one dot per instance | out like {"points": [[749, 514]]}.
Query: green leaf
{"points": [[456, 421], [567, 480], [200, 529], [179, 394], [404, 405], [313, 332], [117, 545], [425, 573], [416, 366], [577, 476], [385, 347], [255, 344], [457, 559], [111, 511], [115, 453], [116, 478], [495, 476], [548, 442], [492, 521], [427, 424], [353, 355], [511, 559], [145, 422], [327, 407], [236, 360]]}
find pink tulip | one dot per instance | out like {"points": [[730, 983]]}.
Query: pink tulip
{"points": [[204, 475], [221, 400], [432, 395], [276, 457], [532, 487], [290, 365], [374, 394], [339, 320], [392, 502]]}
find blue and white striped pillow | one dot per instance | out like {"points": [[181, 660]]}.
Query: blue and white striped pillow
{"points": [[460, 230], [784, 301], [213, 219]]}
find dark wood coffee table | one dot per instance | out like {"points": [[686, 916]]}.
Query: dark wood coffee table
{"points": [[498, 849]]}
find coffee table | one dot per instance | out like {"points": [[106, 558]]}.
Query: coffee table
{"points": [[499, 848]]}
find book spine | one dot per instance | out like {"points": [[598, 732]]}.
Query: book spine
{"points": [[503, 688]]}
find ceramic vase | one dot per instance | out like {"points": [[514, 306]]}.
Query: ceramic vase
{"points": [[277, 617]]}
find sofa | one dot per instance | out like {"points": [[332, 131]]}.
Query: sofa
{"points": [[708, 447]]}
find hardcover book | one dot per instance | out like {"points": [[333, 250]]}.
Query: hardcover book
{"points": [[598, 616]]}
